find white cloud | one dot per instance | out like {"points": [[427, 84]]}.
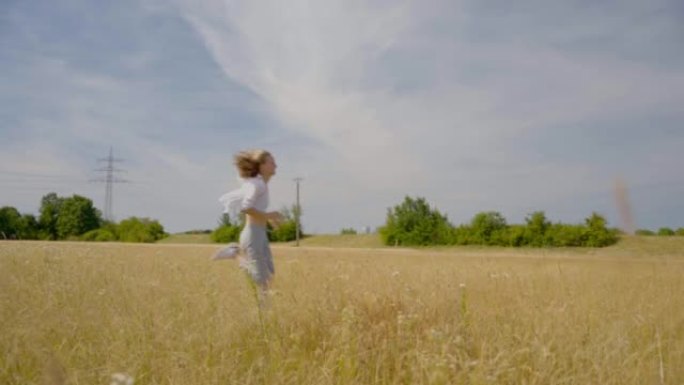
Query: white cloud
{"points": [[460, 102], [314, 63]]}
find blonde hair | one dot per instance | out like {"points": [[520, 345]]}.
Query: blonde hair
{"points": [[248, 162]]}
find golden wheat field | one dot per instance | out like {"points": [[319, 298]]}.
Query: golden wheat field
{"points": [[84, 313]]}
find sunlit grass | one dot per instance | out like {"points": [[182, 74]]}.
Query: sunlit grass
{"points": [[166, 314], [341, 240], [186, 238]]}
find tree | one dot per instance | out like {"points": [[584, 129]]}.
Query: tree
{"points": [[10, 222], [413, 222], [77, 215], [488, 228], [14, 225], [597, 234], [536, 228], [29, 227], [50, 207]]}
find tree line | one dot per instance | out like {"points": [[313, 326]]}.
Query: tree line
{"points": [[75, 218], [663, 232], [415, 223]]}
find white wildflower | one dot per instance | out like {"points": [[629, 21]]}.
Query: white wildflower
{"points": [[121, 379]]}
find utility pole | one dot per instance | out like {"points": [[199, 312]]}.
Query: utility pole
{"points": [[109, 181], [624, 208], [298, 211]]}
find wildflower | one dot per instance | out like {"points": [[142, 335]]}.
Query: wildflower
{"points": [[121, 379]]}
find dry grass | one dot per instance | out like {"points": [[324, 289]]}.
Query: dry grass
{"points": [[342, 240], [186, 239], [76, 313]]}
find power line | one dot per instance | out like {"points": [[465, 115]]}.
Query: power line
{"points": [[33, 175], [109, 181]]}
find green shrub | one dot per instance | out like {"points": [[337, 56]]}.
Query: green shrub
{"points": [[99, 235], [144, 230], [225, 234], [348, 231], [665, 232], [517, 235], [680, 231], [460, 235], [563, 235], [598, 235], [286, 232]]}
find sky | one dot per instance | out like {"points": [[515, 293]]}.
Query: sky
{"points": [[474, 105]]}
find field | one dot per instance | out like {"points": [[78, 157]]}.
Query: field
{"points": [[78, 313]]}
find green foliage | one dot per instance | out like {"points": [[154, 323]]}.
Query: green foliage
{"points": [[564, 235], [287, 231], [99, 235], [517, 235], [488, 228], [680, 231], [10, 221], [414, 223], [536, 227], [29, 227], [50, 207], [665, 232], [75, 218], [225, 234], [644, 232], [460, 235], [598, 235], [197, 231], [77, 215], [62, 218], [348, 231], [136, 229], [13, 225], [226, 231]]}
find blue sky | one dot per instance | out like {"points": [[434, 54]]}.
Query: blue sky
{"points": [[474, 105]]}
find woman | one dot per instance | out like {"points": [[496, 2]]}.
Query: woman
{"points": [[256, 167]]}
